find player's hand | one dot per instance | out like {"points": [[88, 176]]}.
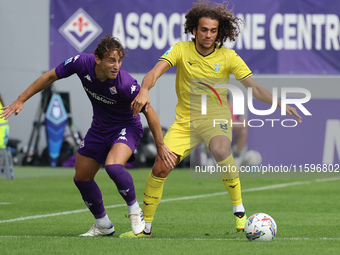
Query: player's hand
{"points": [[140, 100], [14, 107], [292, 111], [167, 156]]}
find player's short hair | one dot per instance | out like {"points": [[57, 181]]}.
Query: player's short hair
{"points": [[229, 26], [108, 44]]}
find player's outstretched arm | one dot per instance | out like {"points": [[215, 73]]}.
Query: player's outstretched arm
{"points": [[148, 82], [39, 84], [264, 95], [167, 156]]}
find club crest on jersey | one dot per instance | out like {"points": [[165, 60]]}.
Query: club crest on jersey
{"points": [[217, 66], [113, 90], [82, 144]]}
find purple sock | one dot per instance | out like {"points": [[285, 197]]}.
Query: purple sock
{"points": [[92, 197], [123, 181]]}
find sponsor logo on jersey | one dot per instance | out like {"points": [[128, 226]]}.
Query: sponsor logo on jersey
{"points": [[100, 98], [80, 30]]}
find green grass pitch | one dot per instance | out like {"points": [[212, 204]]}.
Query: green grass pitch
{"points": [[41, 212]]}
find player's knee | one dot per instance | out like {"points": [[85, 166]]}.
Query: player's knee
{"points": [[114, 170], [159, 169], [81, 177], [220, 153]]}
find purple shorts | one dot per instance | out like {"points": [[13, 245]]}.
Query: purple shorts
{"points": [[98, 142]]}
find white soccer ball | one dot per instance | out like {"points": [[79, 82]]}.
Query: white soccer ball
{"points": [[252, 158], [260, 227]]}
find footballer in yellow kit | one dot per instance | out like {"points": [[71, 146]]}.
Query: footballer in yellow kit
{"points": [[4, 129], [196, 75], [201, 64]]}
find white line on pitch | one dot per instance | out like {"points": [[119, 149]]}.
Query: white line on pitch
{"points": [[192, 239], [275, 186], [5, 203]]}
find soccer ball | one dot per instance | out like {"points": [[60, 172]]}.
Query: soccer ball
{"points": [[260, 227], [252, 158]]}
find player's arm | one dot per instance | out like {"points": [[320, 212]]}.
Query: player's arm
{"points": [[163, 151], [148, 82], [39, 84], [264, 95]]}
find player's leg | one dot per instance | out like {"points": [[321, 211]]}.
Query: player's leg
{"points": [[152, 196], [86, 169], [178, 141], [114, 166], [154, 190], [220, 147]]}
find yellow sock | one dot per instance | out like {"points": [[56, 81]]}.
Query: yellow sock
{"points": [[152, 196], [231, 179]]}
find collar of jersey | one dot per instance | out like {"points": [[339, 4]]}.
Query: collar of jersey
{"points": [[201, 53]]}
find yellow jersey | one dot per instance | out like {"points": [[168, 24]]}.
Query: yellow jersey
{"points": [[4, 131], [2, 121], [197, 75]]}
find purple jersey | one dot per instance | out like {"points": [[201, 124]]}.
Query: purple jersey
{"points": [[110, 99]]}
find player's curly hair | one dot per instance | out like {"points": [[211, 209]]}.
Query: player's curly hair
{"points": [[109, 44], [229, 25]]}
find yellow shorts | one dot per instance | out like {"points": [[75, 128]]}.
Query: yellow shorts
{"points": [[183, 137]]}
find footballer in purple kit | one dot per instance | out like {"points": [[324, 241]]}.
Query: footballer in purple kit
{"points": [[114, 133]]}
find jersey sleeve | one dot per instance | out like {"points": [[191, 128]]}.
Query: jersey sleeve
{"points": [[239, 68], [130, 86], [172, 55], [69, 67], [135, 88]]}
